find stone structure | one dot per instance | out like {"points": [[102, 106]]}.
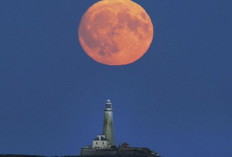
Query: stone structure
{"points": [[105, 141], [108, 128], [103, 145]]}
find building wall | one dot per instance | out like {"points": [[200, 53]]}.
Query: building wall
{"points": [[97, 152], [100, 144]]}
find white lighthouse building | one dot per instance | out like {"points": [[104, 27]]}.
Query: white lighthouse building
{"points": [[106, 140], [103, 145], [108, 128]]}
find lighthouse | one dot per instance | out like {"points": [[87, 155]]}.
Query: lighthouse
{"points": [[103, 145], [108, 129]]}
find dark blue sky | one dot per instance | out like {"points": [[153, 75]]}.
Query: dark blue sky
{"points": [[175, 100]]}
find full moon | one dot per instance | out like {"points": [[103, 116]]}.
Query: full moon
{"points": [[115, 32]]}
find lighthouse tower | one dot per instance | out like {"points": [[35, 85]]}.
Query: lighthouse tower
{"points": [[108, 129]]}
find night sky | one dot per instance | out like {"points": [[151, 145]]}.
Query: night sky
{"points": [[175, 100]]}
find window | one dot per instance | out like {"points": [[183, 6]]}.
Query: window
{"points": [[96, 143]]}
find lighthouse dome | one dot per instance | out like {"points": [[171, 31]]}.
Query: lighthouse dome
{"points": [[108, 104]]}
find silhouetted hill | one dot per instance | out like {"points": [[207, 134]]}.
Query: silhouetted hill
{"points": [[20, 155]]}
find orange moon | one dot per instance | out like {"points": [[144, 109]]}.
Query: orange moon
{"points": [[115, 32]]}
